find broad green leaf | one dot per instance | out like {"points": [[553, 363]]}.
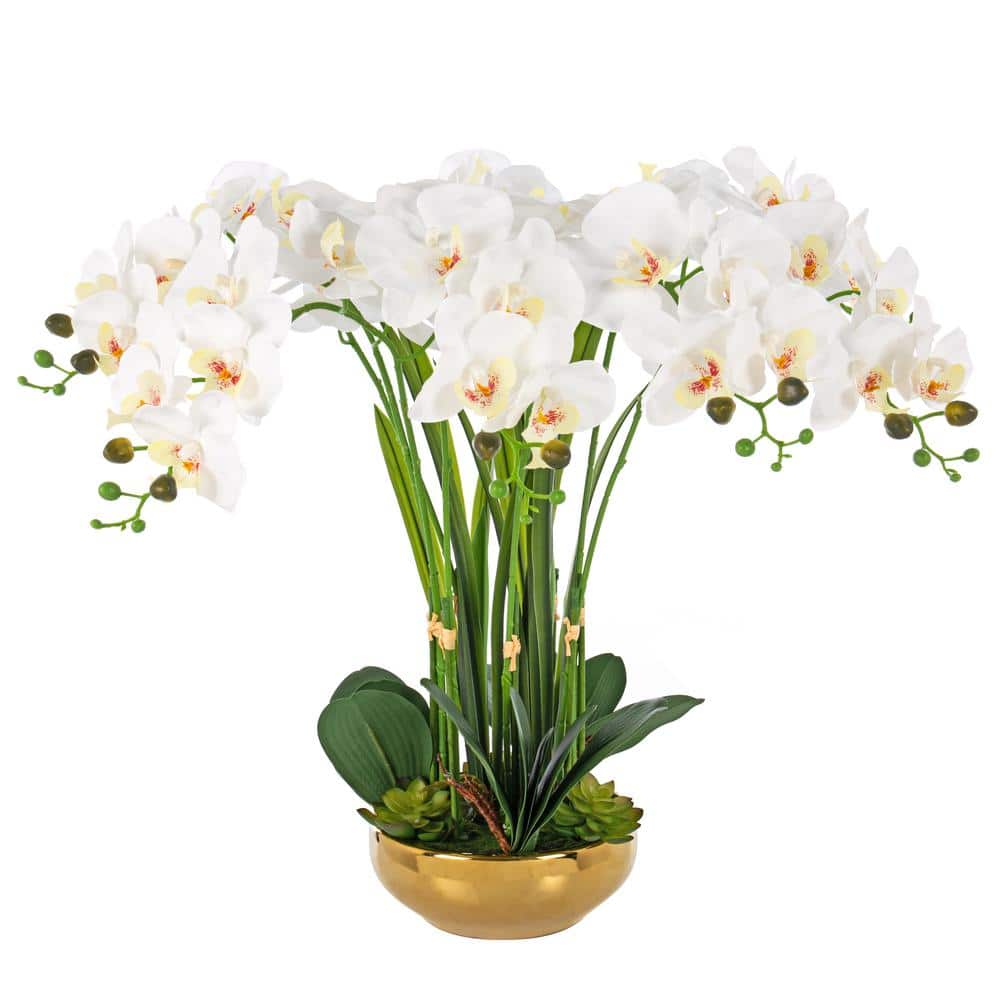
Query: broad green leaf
{"points": [[605, 683], [373, 739], [377, 679]]}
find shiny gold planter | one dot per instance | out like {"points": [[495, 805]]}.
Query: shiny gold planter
{"points": [[501, 897]]}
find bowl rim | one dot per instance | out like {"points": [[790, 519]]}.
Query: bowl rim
{"points": [[377, 836]]}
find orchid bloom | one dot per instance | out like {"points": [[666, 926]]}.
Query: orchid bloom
{"points": [[233, 359], [197, 446], [798, 326], [762, 186], [700, 359], [864, 367], [940, 368], [816, 231], [167, 244], [240, 190], [419, 245]]}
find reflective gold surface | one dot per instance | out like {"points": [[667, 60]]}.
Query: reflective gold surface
{"points": [[501, 897]]}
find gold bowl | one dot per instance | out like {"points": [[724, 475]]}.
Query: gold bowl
{"points": [[497, 897]]}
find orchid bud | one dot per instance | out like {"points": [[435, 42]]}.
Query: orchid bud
{"points": [[58, 389], [44, 359], [556, 454], [487, 444], [60, 324], [109, 491], [119, 450], [720, 409], [971, 454], [745, 447], [138, 525], [791, 391], [898, 425], [85, 362], [498, 489], [959, 413], [922, 457], [163, 488]]}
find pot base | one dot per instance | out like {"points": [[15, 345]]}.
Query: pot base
{"points": [[501, 898]]}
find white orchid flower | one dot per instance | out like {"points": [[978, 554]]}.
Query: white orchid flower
{"points": [[816, 231], [323, 234], [562, 400], [863, 366], [423, 252], [240, 190], [633, 238], [197, 445], [529, 277], [941, 368], [484, 358], [144, 380], [472, 166], [892, 288], [763, 187], [233, 359], [242, 281], [168, 243], [714, 355], [745, 257], [798, 326], [110, 323]]}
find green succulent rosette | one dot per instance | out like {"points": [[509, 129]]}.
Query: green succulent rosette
{"points": [[592, 812], [419, 811]]}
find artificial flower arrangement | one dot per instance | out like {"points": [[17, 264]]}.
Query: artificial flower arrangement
{"points": [[487, 312]]}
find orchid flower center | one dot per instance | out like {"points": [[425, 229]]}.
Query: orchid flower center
{"points": [[788, 354], [872, 384], [769, 192], [222, 370], [514, 298], [486, 388], [892, 301], [284, 204], [707, 380], [112, 343], [551, 414], [641, 266], [938, 382], [338, 254], [448, 257], [228, 290], [810, 261], [100, 283]]}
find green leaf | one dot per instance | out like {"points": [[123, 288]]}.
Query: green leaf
{"points": [[402, 831], [469, 735], [373, 739], [395, 464], [605, 683], [619, 731], [377, 679]]}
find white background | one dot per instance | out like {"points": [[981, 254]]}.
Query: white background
{"points": [[825, 826]]}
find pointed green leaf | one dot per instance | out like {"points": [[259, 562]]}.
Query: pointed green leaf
{"points": [[605, 683]]}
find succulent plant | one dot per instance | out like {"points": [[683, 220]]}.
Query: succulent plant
{"points": [[418, 811], [592, 812]]}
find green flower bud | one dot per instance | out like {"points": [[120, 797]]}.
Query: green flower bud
{"points": [[44, 359], [60, 324], [487, 444], [776, 466], [556, 454], [85, 362], [498, 489], [163, 488], [806, 435], [959, 413], [96, 524], [138, 525], [22, 379], [119, 450], [720, 409], [745, 447], [955, 477], [557, 497], [791, 391], [922, 457], [58, 389], [109, 491], [971, 454], [898, 425]]}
